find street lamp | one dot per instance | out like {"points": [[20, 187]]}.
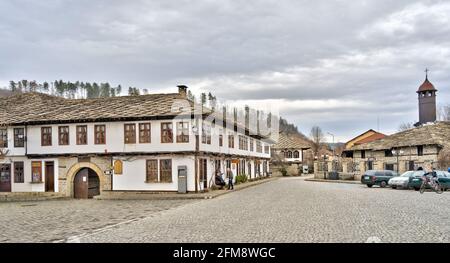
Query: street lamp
{"points": [[397, 153]]}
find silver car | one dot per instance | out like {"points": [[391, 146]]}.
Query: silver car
{"points": [[404, 180]]}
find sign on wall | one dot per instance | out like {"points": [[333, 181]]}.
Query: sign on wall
{"points": [[118, 167]]}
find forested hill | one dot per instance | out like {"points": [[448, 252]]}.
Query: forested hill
{"points": [[289, 128]]}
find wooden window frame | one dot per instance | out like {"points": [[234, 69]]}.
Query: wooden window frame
{"points": [[152, 174], [19, 178], [100, 140], [61, 133], [19, 142], [206, 133], [129, 136], [183, 137], [46, 138], [145, 132], [243, 143], [3, 138], [165, 174], [259, 147], [84, 134], [166, 132], [420, 150], [231, 141]]}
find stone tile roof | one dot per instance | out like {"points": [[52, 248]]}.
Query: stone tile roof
{"points": [[33, 108], [291, 141], [433, 134], [38, 108]]}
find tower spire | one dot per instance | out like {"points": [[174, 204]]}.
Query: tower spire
{"points": [[426, 73]]}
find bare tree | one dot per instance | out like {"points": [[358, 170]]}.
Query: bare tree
{"points": [[444, 113], [405, 126], [444, 159], [317, 139]]}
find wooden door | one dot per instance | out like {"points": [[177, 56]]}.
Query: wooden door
{"points": [[81, 184], [49, 177], [5, 177], [203, 172], [93, 184]]}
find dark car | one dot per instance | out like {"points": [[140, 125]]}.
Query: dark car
{"points": [[443, 179], [377, 177]]}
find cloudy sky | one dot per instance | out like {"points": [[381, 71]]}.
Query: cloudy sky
{"points": [[339, 64]]}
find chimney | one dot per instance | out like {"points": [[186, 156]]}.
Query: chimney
{"points": [[182, 90]]}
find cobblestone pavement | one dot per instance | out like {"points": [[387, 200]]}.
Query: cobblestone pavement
{"points": [[293, 210], [50, 221]]}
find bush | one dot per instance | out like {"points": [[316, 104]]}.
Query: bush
{"points": [[284, 171], [241, 179]]}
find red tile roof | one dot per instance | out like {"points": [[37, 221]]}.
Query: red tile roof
{"points": [[371, 138], [427, 86]]}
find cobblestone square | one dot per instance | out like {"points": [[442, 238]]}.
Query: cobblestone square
{"points": [[285, 210]]}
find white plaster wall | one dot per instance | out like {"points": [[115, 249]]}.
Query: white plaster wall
{"points": [[134, 174], [12, 151], [27, 186], [214, 147], [114, 140]]}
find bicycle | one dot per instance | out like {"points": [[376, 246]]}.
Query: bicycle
{"points": [[432, 183]]}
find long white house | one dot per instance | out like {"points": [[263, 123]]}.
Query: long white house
{"points": [[156, 142]]}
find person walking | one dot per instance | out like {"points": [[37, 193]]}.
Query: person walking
{"points": [[230, 179]]}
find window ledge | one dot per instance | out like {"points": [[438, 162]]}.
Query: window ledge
{"points": [[152, 182], [37, 182]]}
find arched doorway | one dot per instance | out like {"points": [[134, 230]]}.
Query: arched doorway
{"points": [[86, 184]]}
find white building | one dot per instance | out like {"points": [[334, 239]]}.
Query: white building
{"points": [[289, 153], [80, 148]]}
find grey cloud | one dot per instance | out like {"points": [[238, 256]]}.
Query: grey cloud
{"points": [[372, 51]]}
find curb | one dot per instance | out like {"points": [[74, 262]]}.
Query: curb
{"points": [[245, 187], [205, 196], [332, 181]]}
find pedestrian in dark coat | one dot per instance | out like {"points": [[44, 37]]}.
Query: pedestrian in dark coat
{"points": [[230, 177]]}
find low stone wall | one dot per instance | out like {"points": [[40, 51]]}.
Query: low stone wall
{"points": [[29, 196], [342, 176], [292, 170]]}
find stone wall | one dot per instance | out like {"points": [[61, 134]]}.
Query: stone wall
{"points": [[69, 166], [292, 169], [358, 165]]}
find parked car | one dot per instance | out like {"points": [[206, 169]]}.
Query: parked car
{"points": [[404, 180], [377, 177], [443, 179]]}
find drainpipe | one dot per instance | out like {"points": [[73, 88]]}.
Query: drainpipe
{"points": [[197, 148], [26, 140], [112, 172]]}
